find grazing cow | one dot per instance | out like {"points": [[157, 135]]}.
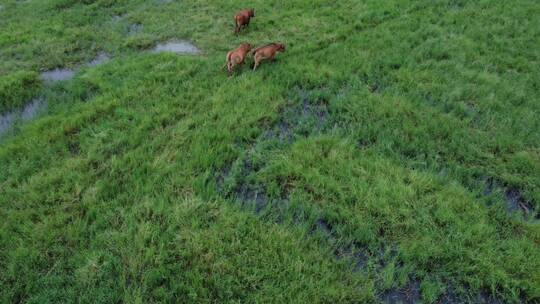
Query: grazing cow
{"points": [[242, 18], [237, 56], [266, 52]]}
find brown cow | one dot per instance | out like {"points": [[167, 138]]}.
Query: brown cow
{"points": [[242, 18], [237, 56], [266, 52]]}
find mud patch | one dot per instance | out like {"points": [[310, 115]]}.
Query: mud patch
{"points": [[177, 46], [254, 198], [486, 298], [409, 294], [450, 297], [323, 226], [305, 114], [514, 200], [354, 254], [59, 74], [74, 148], [302, 117]]}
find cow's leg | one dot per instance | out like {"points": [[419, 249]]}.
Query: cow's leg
{"points": [[230, 68], [237, 28], [257, 60]]}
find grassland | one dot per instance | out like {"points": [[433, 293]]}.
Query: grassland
{"points": [[390, 151]]}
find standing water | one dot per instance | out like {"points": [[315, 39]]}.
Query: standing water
{"points": [[6, 122], [177, 46], [33, 108], [100, 58], [57, 75], [28, 112]]}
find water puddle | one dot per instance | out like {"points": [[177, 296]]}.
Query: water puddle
{"points": [[117, 18], [57, 75], [100, 58], [177, 46], [61, 74], [134, 28], [33, 108], [29, 111], [6, 122]]}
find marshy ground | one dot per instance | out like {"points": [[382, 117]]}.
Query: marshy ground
{"points": [[391, 154]]}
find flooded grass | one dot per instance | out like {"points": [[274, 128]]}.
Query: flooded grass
{"points": [[344, 169], [6, 122], [134, 29], [30, 111], [33, 108], [100, 59]]}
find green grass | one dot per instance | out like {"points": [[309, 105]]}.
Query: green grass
{"points": [[384, 120]]}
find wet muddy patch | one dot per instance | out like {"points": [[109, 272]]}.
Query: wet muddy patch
{"points": [[452, 296], [235, 184], [354, 254], [323, 226], [302, 116], [486, 298], [514, 200], [176, 46], [255, 199], [408, 294]]}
